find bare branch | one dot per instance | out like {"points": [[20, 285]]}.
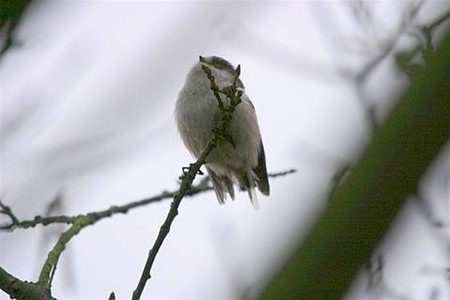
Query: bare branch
{"points": [[79, 222], [19, 289], [188, 176]]}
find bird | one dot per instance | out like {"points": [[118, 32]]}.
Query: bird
{"points": [[236, 161]]}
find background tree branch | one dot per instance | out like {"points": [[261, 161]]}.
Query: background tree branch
{"points": [[11, 12]]}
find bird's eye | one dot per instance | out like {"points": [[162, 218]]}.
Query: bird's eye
{"points": [[219, 64]]}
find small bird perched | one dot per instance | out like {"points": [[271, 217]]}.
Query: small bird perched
{"points": [[238, 160]]}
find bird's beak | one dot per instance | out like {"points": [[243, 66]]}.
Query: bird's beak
{"points": [[201, 58]]}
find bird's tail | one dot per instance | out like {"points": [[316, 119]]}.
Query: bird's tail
{"points": [[222, 185], [248, 183]]}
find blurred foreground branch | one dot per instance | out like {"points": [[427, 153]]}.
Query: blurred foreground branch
{"points": [[11, 12], [362, 207]]}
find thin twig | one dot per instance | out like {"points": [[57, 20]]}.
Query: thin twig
{"points": [[38, 220], [189, 175], [16, 223], [283, 173], [214, 88], [437, 22], [49, 267], [6, 210]]}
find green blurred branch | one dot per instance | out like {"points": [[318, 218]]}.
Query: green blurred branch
{"points": [[362, 208], [11, 12]]}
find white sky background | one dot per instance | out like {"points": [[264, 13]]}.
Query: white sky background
{"points": [[87, 113]]}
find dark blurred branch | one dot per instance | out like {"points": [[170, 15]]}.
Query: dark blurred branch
{"points": [[407, 60], [436, 23], [388, 46], [385, 50], [363, 206], [376, 281], [11, 12], [426, 211]]}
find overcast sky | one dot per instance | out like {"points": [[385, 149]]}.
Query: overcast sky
{"points": [[87, 99]]}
